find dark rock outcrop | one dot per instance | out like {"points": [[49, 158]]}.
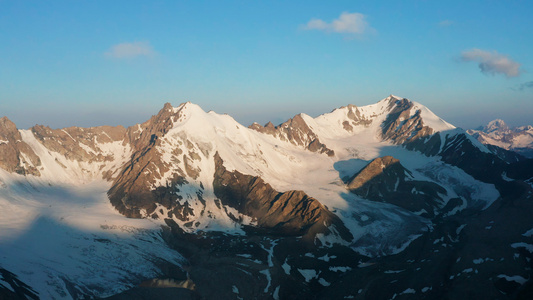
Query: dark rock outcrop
{"points": [[288, 213], [400, 126], [132, 191], [386, 180]]}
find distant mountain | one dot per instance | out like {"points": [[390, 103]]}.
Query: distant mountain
{"points": [[498, 134], [191, 204]]}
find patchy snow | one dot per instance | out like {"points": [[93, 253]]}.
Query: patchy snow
{"points": [[275, 295], [270, 252], [308, 274], [326, 257], [235, 289], [526, 246], [478, 261], [393, 271], [408, 291], [528, 233], [266, 272], [516, 278], [339, 269], [504, 177], [286, 267], [323, 282], [459, 229]]}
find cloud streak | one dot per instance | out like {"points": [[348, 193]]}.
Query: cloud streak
{"points": [[492, 62], [347, 23], [525, 85], [130, 50]]}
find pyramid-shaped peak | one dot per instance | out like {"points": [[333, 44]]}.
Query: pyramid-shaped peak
{"points": [[392, 97], [392, 100], [496, 125], [5, 122], [189, 107]]}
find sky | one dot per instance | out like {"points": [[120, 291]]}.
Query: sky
{"points": [[90, 63]]}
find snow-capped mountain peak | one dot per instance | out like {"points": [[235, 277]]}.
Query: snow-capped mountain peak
{"points": [[496, 125], [497, 133]]}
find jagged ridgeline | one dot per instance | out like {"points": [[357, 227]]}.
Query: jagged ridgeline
{"points": [[192, 204]]}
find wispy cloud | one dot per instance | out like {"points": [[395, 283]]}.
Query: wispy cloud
{"points": [[347, 23], [525, 85], [446, 23], [492, 62], [130, 50]]}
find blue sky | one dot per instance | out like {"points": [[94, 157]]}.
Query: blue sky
{"points": [[88, 63]]}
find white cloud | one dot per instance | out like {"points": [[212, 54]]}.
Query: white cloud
{"points": [[492, 62], [130, 50], [350, 23]]}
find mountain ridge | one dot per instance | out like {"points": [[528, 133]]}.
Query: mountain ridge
{"points": [[279, 200], [499, 135]]}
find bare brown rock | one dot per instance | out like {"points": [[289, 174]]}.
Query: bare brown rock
{"points": [[133, 191], [289, 213], [385, 180], [15, 155], [296, 132], [80, 144], [374, 169], [355, 115]]}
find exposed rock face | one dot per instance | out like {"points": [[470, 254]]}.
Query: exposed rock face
{"points": [[355, 118], [386, 180], [379, 167], [15, 155], [297, 132], [18, 290], [77, 143], [289, 213], [506, 155], [133, 190], [400, 127]]}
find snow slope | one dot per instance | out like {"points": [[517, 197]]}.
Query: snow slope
{"points": [[63, 236]]}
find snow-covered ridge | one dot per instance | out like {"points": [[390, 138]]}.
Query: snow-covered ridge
{"points": [[497, 133]]}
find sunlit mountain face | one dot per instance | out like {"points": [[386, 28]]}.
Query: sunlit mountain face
{"points": [[193, 205]]}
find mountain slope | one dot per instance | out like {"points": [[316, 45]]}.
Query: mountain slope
{"points": [[301, 210]]}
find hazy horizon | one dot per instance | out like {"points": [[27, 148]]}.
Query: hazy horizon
{"points": [[255, 114]]}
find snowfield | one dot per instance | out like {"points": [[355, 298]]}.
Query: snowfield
{"points": [[56, 237]]}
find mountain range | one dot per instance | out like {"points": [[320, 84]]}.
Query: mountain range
{"points": [[497, 134], [193, 205]]}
